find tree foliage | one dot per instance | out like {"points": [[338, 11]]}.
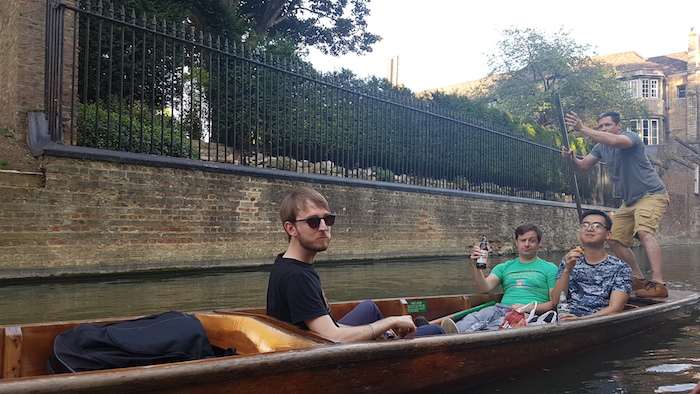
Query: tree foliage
{"points": [[497, 118], [132, 127], [286, 28], [530, 67], [333, 26]]}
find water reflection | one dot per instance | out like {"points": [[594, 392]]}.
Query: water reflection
{"points": [[622, 367], [84, 298], [626, 366], [135, 295]]}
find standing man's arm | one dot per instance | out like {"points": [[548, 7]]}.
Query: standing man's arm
{"points": [[580, 165], [610, 139]]}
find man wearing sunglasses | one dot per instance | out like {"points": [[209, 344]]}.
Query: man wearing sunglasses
{"points": [[596, 283], [294, 292]]}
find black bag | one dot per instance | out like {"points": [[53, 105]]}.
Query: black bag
{"points": [[162, 338]]}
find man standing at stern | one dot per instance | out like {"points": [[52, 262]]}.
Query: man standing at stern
{"points": [[644, 196]]}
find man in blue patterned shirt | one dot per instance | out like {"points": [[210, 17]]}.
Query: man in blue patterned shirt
{"points": [[596, 283]]}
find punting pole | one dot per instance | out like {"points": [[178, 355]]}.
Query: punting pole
{"points": [[565, 140]]}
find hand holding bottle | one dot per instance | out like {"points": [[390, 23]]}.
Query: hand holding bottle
{"points": [[482, 260], [476, 253]]}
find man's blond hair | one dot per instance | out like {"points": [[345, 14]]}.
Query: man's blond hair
{"points": [[297, 200]]}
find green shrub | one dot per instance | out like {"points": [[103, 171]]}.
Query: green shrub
{"points": [[135, 129], [383, 175]]}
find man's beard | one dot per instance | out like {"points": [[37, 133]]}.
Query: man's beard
{"points": [[315, 246]]}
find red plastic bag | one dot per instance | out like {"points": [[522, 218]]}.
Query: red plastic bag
{"points": [[513, 319], [517, 318]]}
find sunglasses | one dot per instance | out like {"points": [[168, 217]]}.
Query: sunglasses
{"points": [[314, 221]]}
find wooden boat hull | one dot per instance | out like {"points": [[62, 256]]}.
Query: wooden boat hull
{"points": [[410, 365]]}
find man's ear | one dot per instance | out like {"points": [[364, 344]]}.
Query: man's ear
{"points": [[290, 228]]}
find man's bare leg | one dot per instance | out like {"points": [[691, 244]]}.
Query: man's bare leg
{"points": [[625, 254], [651, 246]]}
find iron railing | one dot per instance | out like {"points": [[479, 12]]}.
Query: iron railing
{"points": [[142, 85]]}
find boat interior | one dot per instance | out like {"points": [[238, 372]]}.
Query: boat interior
{"points": [[26, 347]]}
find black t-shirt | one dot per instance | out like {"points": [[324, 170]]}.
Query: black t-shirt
{"points": [[294, 292]]}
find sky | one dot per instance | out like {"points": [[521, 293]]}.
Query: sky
{"points": [[445, 42]]}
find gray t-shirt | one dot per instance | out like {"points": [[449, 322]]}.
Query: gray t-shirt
{"points": [[630, 169]]}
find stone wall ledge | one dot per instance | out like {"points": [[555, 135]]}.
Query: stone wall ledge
{"points": [[12, 178]]}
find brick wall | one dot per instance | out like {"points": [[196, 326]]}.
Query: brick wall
{"points": [[9, 13], [677, 109], [98, 216], [93, 216], [678, 174], [22, 61]]}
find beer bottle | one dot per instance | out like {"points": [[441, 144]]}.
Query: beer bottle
{"points": [[481, 261], [563, 306]]}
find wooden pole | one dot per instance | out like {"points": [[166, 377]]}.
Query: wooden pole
{"points": [[565, 141]]}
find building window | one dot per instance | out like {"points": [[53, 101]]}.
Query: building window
{"points": [[644, 88], [648, 130], [654, 88], [634, 88], [681, 91]]}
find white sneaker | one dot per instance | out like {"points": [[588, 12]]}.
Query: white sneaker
{"points": [[449, 326]]}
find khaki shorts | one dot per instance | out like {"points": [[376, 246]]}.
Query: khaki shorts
{"points": [[645, 215]]}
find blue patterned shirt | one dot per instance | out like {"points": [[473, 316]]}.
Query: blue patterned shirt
{"points": [[590, 285]]}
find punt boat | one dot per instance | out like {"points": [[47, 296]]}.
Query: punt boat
{"points": [[276, 357]]}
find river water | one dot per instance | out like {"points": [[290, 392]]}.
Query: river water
{"points": [[665, 359]]}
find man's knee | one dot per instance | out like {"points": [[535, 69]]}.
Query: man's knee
{"points": [[645, 236], [615, 244], [612, 242]]}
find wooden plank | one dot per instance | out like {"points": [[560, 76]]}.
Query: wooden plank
{"points": [[2, 352], [37, 346], [436, 307], [250, 335], [12, 352]]}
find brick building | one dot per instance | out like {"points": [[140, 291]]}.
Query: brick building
{"points": [[670, 85]]}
